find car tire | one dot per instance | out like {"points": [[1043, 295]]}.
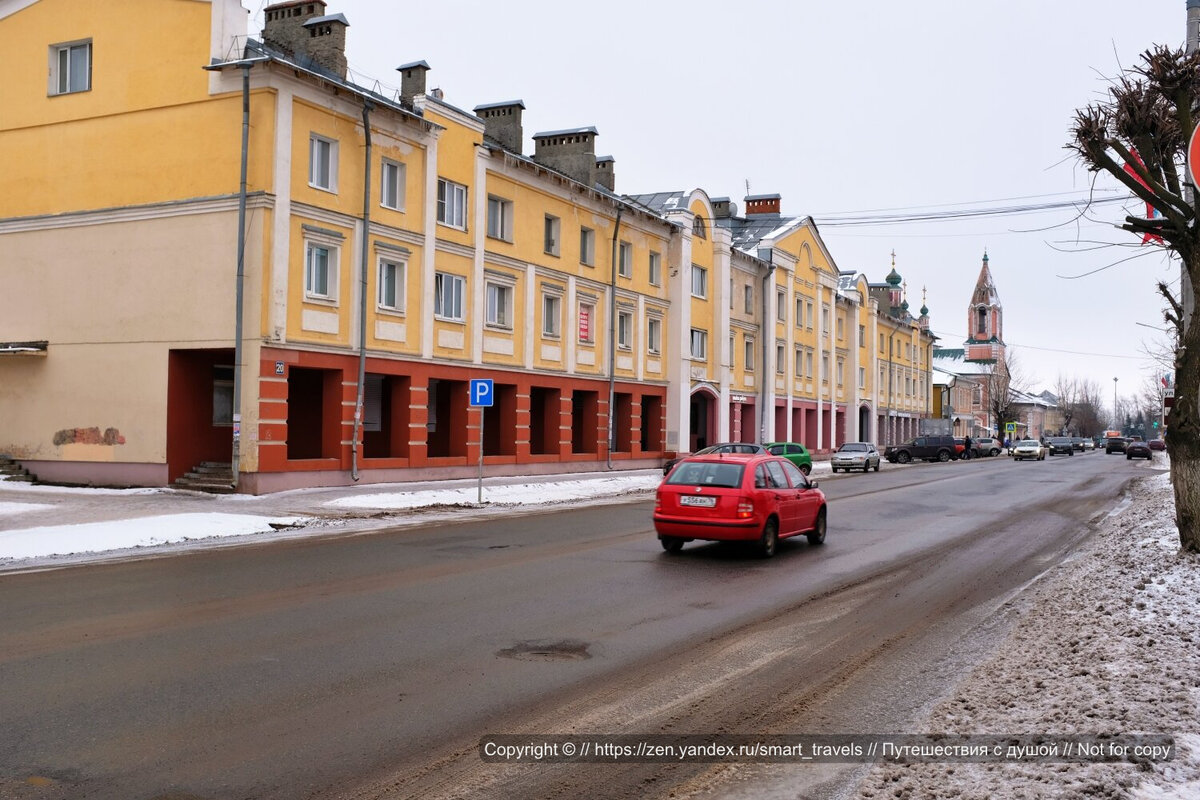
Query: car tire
{"points": [[1128, 457], [768, 543], [876, 466], [943, 456], [1072, 453], [834, 469], [806, 468], [903, 457], [672, 544], [817, 535], [995, 452]]}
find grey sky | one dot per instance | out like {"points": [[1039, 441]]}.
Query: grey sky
{"points": [[842, 107]]}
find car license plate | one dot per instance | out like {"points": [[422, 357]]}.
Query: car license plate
{"points": [[696, 500]]}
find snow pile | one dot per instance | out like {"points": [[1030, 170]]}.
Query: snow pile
{"points": [[1106, 645], [509, 495], [92, 537]]}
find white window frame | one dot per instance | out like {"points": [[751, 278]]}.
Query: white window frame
{"points": [[551, 315], [499, 218], [781, 304], [699, 282], [699, 345], [451, 204], [552, 235], [808, 315], [799, 312], [654, 269], [841, 371], [498, 304], [625, 330], [332, 253], [799, 362], [748, 353], [448, 296], [780, 358], [326, 178], [392, 176], [591, 331], [625, 260], [62, 56], [748, 295], [654, 335], [732, 349], [399, 268], [587, 246]]}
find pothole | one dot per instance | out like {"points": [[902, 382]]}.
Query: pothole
{"points": [[543, 650]]}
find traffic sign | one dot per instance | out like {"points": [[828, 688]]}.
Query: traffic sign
{"points": [[482, 392], [1193, 155], [1010, 427]]}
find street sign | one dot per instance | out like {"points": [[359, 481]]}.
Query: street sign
{"points": [[1010, 427], [482, 392], [1193, 155]]}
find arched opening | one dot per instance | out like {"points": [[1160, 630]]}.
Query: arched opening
{"points": [[864, 425], [701, 420], [981, 320]]}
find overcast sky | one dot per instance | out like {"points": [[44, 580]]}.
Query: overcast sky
{"points": [[843, 108]]}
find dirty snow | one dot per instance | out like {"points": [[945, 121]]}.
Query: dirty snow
{"points": [[515, 494], [1109, 643]]}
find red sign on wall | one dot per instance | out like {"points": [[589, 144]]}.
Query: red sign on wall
{"points": [[585, 323]]}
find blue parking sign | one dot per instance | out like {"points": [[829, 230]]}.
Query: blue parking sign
{"points": [[481, 392]]}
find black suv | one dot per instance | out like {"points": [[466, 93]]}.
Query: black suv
{"points": [[929, 448], [1060, 446], [1115, 444]]}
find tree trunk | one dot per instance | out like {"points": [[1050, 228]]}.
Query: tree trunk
{"points": [[1183, 436]]}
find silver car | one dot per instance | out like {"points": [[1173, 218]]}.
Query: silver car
{"points": [[855, 455]]}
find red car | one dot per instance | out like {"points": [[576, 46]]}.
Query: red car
{"points": [[738, 498]]}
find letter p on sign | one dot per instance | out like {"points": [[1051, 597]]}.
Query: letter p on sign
{"points": [[481, 392]]}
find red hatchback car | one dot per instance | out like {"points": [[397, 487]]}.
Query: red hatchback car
{"points": [[738, 498]]}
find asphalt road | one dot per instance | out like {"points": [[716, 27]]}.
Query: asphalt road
{"points": [[370, 666]]}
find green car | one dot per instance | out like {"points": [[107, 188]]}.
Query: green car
{"points": [[796, 453]]}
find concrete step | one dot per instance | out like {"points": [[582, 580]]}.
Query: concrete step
{"points": [[208, 476]]}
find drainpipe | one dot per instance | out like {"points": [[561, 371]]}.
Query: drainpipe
{"points": [[362, 295], [612, 340], [766, 374], [235, 457]]}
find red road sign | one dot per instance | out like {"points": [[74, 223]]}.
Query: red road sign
{"points": [[1193, 155]]}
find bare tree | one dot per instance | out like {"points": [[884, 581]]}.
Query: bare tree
{"points": [[1067, 390], [1003, 383], [1089, 407], [1139, 136]]}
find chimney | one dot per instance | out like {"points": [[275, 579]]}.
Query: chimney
{"points": [[412, 80], [602, 173], [571, 152], [762, 204], [722, 208], [502, 122], [304, 31]]}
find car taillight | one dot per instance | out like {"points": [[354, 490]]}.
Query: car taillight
{"points": [[745, 508], [658, 501]]}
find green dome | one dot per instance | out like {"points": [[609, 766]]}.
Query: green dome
{"points": [[894, 277]]}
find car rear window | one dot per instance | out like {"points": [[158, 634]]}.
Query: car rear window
{"points": [[706, 474], [853, 448]]}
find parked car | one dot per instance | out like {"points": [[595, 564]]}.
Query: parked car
{"points": [[960, 448], [1060, 445], [929, 448], [738, 498], [1158, 444], [796, 453], [1115, 444], [1028, 448], [986, 446], [1138, 449], [855, 455], [724, 447]]}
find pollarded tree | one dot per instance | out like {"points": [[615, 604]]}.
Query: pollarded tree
{"points": [[1139, 136]]}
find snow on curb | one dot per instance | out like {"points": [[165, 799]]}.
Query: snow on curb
{"points": [[1105, 645]]}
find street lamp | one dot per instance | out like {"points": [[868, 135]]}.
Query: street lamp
{"points": [[1115, 426]]}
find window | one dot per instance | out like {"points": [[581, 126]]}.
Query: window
{"points": [[319, 262], [808, 315], [655, 269], [780, 358], [698, 227], [624, 330], [654, 335], [981, 320], [732, 347], [781, 305], [862, 377], [499, 218], [699, 344], [551, 316], [391, 285], [841, 368], [824, 369], [841, 333], [448, 296], [748, 290], [862, 336], [222, 413], [699, 281], [71, 68], [391, 185], [748, 353], [587, 316], [452, 204], [625, 260], [322, 163], [824, 320], [808, 364], [499, 305], [799, 362], [799, 312], [550, 235], [587, 246]]}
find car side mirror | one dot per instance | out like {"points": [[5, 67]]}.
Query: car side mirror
{"points": [[812, 484]]}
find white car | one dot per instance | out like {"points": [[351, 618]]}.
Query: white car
{"points": [[855, 455], [1028, 448]]}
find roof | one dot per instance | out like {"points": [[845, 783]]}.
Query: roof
{"points": [[413, 65], [327, 18], [568, 132], [486, 106]]}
